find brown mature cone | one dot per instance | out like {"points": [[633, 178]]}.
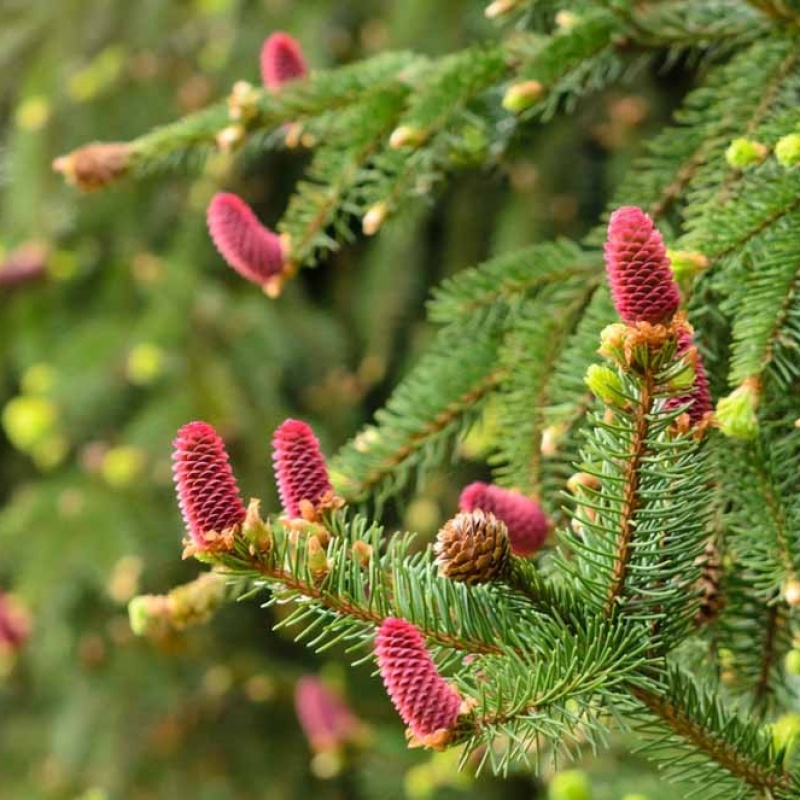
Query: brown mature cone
{"points": [[473, 547]]}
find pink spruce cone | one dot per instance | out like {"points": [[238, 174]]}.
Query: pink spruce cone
{"points": [[642, 284], [207, 491], [700, 395], [252, 249], [325, 718], [300, 469], [14, 624], [527, 524], [421, 696], [281, 61], [24, 265]]}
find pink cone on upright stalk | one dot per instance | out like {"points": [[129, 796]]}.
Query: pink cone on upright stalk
{"points": [[325, 718], [207, 491], [527, 524], [252, 249], [281, 61], [642, 285], [300, 469], [700, 394], [424, 700]]}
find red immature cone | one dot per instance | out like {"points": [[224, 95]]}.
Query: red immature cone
{"points": [[642, 284], [252, 249], [526, 522], [324, 717], [300, 468], [700, 395], [14, 624], [207, 492], [423, 698], [281, 61]]}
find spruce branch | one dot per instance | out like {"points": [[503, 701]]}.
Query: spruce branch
{"points": [[529, 356], [685, 162], [766, 308], [683, 24], [641, 531], [436, 402], [508, 278], [710, 740], [340, 594], [778, 10], [320, 210], [556, 696]]}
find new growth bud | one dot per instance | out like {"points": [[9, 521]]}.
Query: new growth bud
{"points": [[95, 165], [686, 264], [281, 61], [787, 150], [527, 524], [406, 136], [374, 218], [603, 382], [736, 413], [252, 249], [424, 700], [190, 604], [499, 8], [300, 469], [642, 284], [521, 96], [207, 491], [743, 153]]}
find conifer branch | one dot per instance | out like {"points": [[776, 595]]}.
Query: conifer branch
{"points": [[327, 197], [509, 278], [427, 410], [529, 356], [767, 658], [740, 750], [777, 10], [766, 320], [686, 161], [630, 488]]}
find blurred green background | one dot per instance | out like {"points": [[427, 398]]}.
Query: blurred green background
{"points": [[127, 324]]}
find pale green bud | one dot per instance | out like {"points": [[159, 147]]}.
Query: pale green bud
{"points": [[787, 150], [785, 731], [570, 785], [791, 662], [521, 96], [603, 382], [145, 364], [686, 264], [736, 413], [407, 136], [122, 465], [28, 421], [743, 153]]}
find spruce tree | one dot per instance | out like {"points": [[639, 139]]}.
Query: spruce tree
{"points": [[638, 388]]}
